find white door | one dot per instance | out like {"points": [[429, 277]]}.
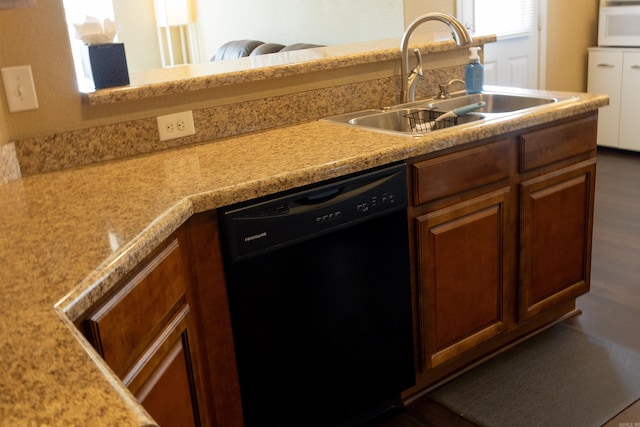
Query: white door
{"points": [[513, 59]]}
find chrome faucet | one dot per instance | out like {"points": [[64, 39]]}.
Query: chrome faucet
{"points": [[410, 80], [444, 88]]}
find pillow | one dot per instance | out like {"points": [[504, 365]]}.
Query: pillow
{"points": [[267, 48], [236, 49], [298, 46]]}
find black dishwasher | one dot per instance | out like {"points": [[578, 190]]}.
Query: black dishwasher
{"points": [[320, 298]]}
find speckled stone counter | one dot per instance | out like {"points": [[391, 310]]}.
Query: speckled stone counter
{"points": [[261, 67], [69, 236], [251, 93]]}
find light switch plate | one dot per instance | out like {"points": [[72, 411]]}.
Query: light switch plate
{"points": [[19, 88]]}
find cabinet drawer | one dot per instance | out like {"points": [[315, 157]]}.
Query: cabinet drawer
{"points": [[462, 171], [557, 143], [121, 327]]}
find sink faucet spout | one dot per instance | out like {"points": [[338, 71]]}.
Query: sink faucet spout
{"points": [[460, 35]]}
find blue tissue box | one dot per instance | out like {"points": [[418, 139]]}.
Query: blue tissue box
{"points": [[106, 65]]}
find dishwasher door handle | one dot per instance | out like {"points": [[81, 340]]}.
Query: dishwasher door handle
{"points": [[321, 197]]}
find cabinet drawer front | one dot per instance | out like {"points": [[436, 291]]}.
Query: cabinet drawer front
{"points": [[557, 143], [125, 322], [458, 172]]}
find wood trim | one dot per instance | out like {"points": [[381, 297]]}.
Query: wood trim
{"points": [[212, 306]]}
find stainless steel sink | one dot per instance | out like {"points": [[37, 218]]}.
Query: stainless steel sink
{"points": [[411, 119], [496, 102]]}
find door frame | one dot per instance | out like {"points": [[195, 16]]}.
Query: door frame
{"points": [[542, 44]]}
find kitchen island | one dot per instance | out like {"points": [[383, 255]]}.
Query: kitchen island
{"points": [[68, 237]]}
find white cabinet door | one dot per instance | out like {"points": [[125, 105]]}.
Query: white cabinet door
{"points": [[629, 106], [605, 77]]}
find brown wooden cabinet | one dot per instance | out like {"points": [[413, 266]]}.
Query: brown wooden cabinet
{"points": [[501, 240], [555, 238], [165, 331], [500, 237], [556, 214], [462, 206], [464, 278]]}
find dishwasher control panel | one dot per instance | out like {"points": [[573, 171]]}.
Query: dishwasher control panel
{"points": [[383, 199], [284, 219]]}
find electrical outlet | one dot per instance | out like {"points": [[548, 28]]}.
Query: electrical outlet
{"points": [[176, 125]]}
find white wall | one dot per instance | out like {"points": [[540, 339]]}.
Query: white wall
{"points": [[566, 61], [138, 32], [415, 8], [325, 22], [3, 132]]}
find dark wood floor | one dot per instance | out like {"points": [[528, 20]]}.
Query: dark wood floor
{"points": [[611, 310]]}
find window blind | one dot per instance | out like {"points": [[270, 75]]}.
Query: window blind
{"points": [[505, 18]]}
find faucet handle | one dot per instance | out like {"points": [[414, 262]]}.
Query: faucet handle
{"points": [[415, 76], [444, 88], [443, 93], [418, 69]]}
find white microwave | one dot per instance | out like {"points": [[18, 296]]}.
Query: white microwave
{"points": [[619, 26]]}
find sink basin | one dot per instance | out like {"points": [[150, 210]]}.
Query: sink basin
{"points": [[496, 102], [409, 119]]}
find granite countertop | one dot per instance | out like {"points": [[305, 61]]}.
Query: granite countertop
{"points": [[148, 84], [67, 237]]}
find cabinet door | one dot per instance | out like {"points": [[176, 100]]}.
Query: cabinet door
{"points": [[629, 123], [127, 321], [142, 332], [555, 232], [163, 380], [605, 77], [463, 275]]}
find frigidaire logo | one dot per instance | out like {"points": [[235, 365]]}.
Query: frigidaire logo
{"points": [[256, 236]]}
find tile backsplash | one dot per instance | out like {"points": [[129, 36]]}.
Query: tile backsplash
{"points": [[9, 166]]}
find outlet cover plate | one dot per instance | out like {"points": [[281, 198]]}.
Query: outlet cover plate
{"points": [[176, 125]]}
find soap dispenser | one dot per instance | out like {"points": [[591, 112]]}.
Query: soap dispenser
{"points": [[474, 72]]}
